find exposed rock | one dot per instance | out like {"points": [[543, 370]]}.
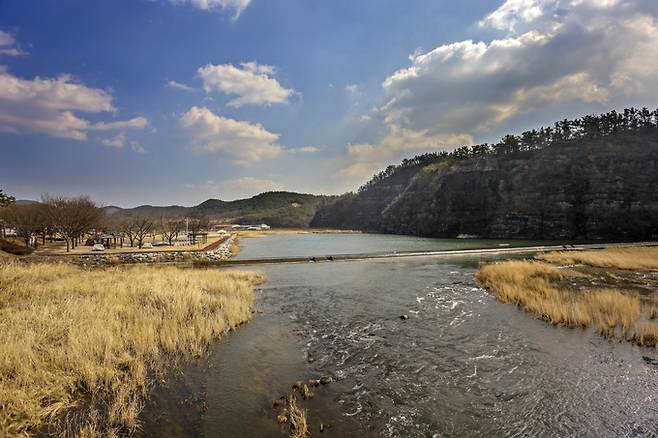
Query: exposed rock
{"points": [[601, 189]]}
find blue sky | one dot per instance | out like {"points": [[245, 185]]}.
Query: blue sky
{"points": [[176, 101]]}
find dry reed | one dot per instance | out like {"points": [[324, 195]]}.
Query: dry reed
{"points": [[298, 424], [71, 337], [637, 258], [533, 286]]}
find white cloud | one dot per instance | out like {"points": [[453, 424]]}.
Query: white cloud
{"points": [[137, 148], [237, 6], [48, 106], [558, 52], [352, 88], [254, 84], [8, 45], [303, 150], [241, 142], [179, 86], [365, 158], [134, 123], [118, 142]]}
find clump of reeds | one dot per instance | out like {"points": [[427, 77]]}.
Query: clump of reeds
{"points": [[298, 424], [71, 337], [288, 412], [638, 258], [533, 286]]}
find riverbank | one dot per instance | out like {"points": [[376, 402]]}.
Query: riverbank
{"points": [[79, 348], [613, 289]]}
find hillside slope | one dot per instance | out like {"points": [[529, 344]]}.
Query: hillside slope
{"points": [[278, 209], [590, 187]]}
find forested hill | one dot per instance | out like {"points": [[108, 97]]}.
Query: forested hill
{"points": [[278, 209], [591, 178]]}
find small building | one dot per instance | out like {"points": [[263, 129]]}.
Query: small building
{"points": [[200, 237], [109, 239]]}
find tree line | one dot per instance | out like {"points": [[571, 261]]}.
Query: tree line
{"points": [[589, 127], [73, 219]]}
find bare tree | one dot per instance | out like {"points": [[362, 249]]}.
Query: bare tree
{"points": [[142, 226], [72, 218], [127, 226], [5, 201], [28, 220], [171, 227]]}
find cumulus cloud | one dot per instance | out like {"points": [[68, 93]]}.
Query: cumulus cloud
{"points": [[239, 141], [48, 106], [253, 84], [365, 158], [8, 45], [352, 88], [555, 52], [237, 6]]}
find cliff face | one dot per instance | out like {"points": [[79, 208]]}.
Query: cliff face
{"points": [[605, 189]]}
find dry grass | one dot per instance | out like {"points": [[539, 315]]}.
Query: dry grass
{"points": [[298, 424], [90, 339], [534, 286], [636, 258]]}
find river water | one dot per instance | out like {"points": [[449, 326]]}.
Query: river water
{"points": [[462, 364], [324, 244]]}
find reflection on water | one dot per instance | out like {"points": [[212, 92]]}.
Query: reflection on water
{"points": [[306, 245], [462, 364]]}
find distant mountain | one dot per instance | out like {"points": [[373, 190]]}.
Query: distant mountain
{"points": [[591, 178], [277, 209], [25, 202]]}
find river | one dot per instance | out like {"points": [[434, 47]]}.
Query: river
{"points": [[462, 364]]}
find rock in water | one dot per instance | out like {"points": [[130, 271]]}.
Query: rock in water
{"points": [[404, 317]]}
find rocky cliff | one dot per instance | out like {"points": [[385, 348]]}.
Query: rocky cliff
{"points": [[589, 189]]}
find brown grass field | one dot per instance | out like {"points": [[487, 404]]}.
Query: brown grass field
{"points": [[79, 348], [637, 258], [544, 287]]}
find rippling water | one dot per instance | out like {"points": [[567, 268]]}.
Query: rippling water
{"points": [[461, 365]]}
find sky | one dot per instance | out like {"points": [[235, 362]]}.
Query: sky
{"points": [[168, 102]]}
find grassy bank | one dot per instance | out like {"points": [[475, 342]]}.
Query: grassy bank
{"points": [[78, 348], [581, 289]]}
